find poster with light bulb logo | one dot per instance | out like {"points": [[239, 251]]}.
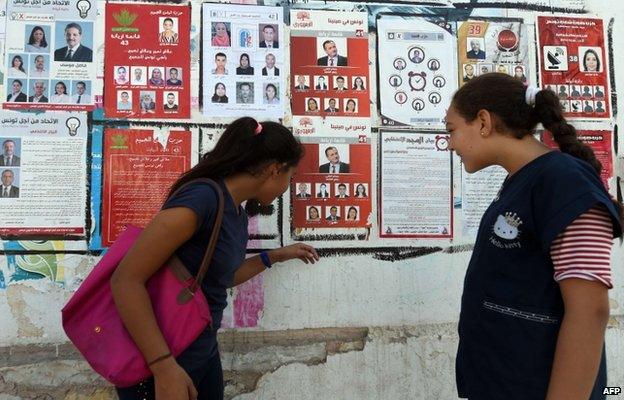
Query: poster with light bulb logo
{"points": [[49, 55], [43, 159]]}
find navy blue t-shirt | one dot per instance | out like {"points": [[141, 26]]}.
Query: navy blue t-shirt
{"points": [[230, 249], [511, 306]]}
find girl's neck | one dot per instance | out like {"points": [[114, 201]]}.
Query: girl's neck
{"points": [[242, 187], [517, 153]]}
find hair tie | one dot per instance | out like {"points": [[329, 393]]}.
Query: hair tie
{"points": [[529, 96], [258, 129]]}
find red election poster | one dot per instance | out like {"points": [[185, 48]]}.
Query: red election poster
{"points": [[138, 172], [573, 63], [147, 61], [332, 185], [602, 144], [329, 64]]}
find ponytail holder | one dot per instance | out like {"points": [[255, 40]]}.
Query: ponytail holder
{"points": [[258, 129], [529, 96]]}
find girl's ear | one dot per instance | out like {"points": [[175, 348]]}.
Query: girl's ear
{"points": [[274, 169], [484, 117]]}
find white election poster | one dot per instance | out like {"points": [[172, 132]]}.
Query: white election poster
{"points": [[417, 78], [243, 61], [416, 185], [43, 167]]}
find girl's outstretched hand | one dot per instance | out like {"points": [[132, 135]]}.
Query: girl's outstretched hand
{"points": [[302, 251]]}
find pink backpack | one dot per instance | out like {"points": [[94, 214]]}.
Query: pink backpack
{"points": [[92, 322]]}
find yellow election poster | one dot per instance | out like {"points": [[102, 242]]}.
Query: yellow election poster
{"points": [[484, 47]]}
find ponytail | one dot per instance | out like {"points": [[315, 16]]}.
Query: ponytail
{"points": [[518, 112], [548, 111]]}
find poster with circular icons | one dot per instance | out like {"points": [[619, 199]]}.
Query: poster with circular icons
{"points": [[484, 47], [417, 64]]}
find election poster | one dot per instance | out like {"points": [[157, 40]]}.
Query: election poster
{"points": [[485, 46], [417, 77], [147, 61], [42, 160], [49, 63], [329, 67], [332, 187], [140, 165], [243, 61], [573, 63], [416, 190]]}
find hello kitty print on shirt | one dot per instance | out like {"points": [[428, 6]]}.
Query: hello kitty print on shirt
{"points": [[506, 231]]}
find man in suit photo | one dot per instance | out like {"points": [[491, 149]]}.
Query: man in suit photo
{"points": [[332, 106], [340, 84], [81, 96], [475, 50], [322, 191], [321, 85], [332, 59], [7, 189], [342, 192], [333, 214], [16, 95], [38, 96], [268, 34], [301, 83], [9, 159], [303, 191], [74, 51], [334, 166], [270, 69]]}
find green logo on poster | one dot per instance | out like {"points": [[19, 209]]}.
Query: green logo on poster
{"points": [[125, 19], [119, 142]]}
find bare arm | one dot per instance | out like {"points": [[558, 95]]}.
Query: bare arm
{"points": [[253, 265], [581, 338], [158, 241]]}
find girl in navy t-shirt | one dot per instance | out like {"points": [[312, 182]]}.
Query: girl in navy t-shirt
{"points": [[251, 161], [535, 305]]}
